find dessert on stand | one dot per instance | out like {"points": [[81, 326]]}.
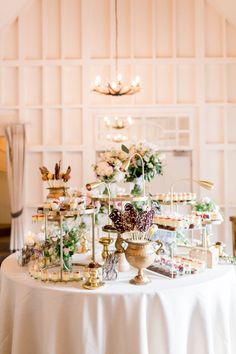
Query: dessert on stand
{"points": [[187, 237], [155, 232], [62, 215]]}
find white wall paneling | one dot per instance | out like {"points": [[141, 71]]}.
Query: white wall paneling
{"points": [[169, 130], [185, 53]]}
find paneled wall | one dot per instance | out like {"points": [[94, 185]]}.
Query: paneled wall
{"points": [[184, 51]]}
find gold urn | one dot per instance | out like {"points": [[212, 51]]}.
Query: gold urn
{"points": [[57, 192], [141, 254]]}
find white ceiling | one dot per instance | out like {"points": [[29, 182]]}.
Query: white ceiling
{"points": [[9, 9], [227, 8]]}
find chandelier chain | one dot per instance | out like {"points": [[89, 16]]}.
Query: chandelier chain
{"points": [[116, 37], [118, 87]]}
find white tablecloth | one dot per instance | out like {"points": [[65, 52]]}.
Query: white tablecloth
{"points": [[191, 315]]}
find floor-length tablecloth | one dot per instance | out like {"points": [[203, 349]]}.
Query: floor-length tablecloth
{"points": [[191, 315]]}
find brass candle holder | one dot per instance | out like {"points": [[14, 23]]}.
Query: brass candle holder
{"points": [[105, 241], [93, 281], [123, 265]]}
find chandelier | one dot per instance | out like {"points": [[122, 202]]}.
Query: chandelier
{"points": [[117, 123], [117, 138], [118, 87]]}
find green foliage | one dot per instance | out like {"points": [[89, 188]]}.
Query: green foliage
{"points": [[70, 241], [208, 206], [52, 246], [124, 148], [152, 167]]}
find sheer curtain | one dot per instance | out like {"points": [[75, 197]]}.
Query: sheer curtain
{"points": [[15, 136]]}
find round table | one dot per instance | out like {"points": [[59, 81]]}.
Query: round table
{"points": [[195, 314]]}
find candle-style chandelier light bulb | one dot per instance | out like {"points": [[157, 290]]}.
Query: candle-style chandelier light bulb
{"points": [[98, 80], [118, 122], [130, 120], [115, 123], [119, 77], [118, 87]]}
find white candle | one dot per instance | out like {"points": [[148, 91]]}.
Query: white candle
{"points": [[31, 270], [41, 263], [36, 274], [65, 276], [29, 239], [55, 276], [76, 276], [44, 275]]}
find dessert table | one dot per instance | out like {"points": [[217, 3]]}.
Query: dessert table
{"points": [[195, 314]]}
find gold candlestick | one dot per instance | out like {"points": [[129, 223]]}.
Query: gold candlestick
{"points": [[91, 186], [105, 241], [93, 281]]}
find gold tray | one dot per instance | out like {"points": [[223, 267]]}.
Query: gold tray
{"points": [[120, 198]]}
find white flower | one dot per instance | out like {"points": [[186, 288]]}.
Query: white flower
{"points": [[97, 204], [206, 200], [161, 156], [119, 176]]}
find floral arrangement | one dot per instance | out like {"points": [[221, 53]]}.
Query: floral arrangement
{"points": [[152, 160], [51, 248], [208, 209], [206, 205], [108, 168], [224, 258], [70, 241]]}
